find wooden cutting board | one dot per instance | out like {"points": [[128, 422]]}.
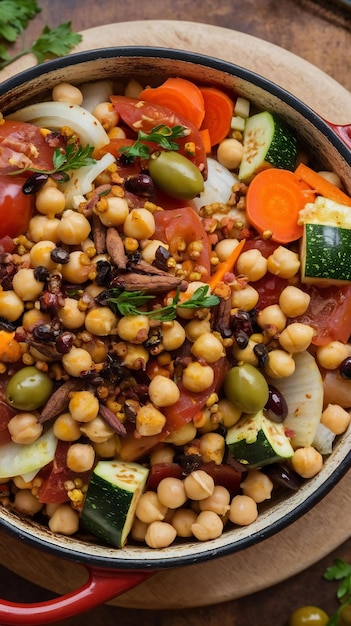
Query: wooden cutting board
{"points": [[323, 528]]}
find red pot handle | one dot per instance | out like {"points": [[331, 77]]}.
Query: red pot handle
{"points": [[102, 585], [343, 132]]}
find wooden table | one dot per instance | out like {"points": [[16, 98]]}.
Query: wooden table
{"points": [[322, 36]]}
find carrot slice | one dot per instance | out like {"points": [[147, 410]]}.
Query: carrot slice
{"points": [[219, 109], [205, 136], [227, 265], [273, 202], [322, 186], [180, 95]]}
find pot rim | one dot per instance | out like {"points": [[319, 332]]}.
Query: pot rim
{"points": [[88, 554]]}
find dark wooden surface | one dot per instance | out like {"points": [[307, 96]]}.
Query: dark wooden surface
{"points": [[320, 33]]}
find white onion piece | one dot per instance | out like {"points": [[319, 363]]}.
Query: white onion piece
{"points": [[96, 92], [56, 115], [81, 181], [323, 439], [303, 392], [218, 186], [19, 459]]}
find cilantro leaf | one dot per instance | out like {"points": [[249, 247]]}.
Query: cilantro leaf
{"points": [[55, 42]]}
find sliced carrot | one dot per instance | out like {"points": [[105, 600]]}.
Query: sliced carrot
{"points": [[227, 265], [206, 139], [219, 109], [322, 186], [273, 202], [180, 95]]}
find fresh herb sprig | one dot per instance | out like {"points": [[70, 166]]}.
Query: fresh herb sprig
{"points": [[15, 16], [340, 571], [72, 158], [162, 135], [127, 303]]}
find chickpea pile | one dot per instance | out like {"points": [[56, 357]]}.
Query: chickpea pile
{"points": [[136, 367]]}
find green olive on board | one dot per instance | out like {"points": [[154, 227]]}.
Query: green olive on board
{"points": [[174, 174], [308, 616]]}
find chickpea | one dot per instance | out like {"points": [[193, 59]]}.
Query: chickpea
{"points": [[133, 328], [64, 520], [218, 502], [24, 428], [77, 362], [162, 453], [293, 301], [182, 435], [208, 525], [80, 457], [149, 509], [138, 530], [34, 317], [136, 357], [116, 212], [171, 492], [197, 377], [252, 264], [283, 262], [296, 337], [149, 420], [97, 430], [331, 354], [40, 255], [225, 247], [272, 319], [107, 449], [11, 305], [173, 335], [140, 224], [66, 428], [50, 201], [245, 299], [228, 413], [280, 364], [195, 328], [163, 391], [20, 483], [184, 313], [74, 228], [26, 503], [106, 114], [199, 485], [212, 447], [65, 92], [43, 228], [247, 355], [257, 485], [78, 268], [208, 347], [26, 286], [182, 521], [101, 321], [332, 177], [336, 418], [70, 315], [83, 406], [243, 510], [307, 462], [160, 535], [230, 153]]}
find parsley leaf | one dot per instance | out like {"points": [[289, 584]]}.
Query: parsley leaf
{"points": [[14, 18], [341, 571], [55, 42], [73, 158], [162, 135], [126, 303]]}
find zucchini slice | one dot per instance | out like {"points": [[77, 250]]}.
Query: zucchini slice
{"points": [[267, 142], [256, 441], [111, 500]]}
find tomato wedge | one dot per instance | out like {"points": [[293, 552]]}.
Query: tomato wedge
{"points": [[141, 115]]}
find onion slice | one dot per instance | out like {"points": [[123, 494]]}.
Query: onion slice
{"points": [[81, 181], [19, 459], [303, 392], [218, 186], [56, 115]]}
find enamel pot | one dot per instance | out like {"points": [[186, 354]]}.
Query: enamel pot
{"points": [[112, 571]]}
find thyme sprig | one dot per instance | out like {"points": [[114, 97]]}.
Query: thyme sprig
{"points": [[72, 158], [161, 134], [128, 303]]}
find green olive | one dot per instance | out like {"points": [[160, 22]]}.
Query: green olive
{"points": [[174, 174], [246, 388], [344, 617], [306, 615], [28, 389]]}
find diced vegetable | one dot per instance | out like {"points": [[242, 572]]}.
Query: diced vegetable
{"points": [[219, 109], [111, 500], [17, 459], [180, 95], [81, 181], [320, 185]]}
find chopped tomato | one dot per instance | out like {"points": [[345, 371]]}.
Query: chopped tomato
{"points": [[15, 207], [329, 313], [141, 115], [183, 224]]}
